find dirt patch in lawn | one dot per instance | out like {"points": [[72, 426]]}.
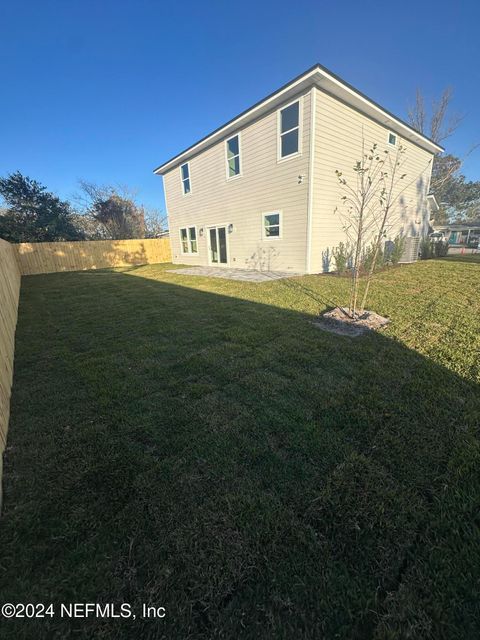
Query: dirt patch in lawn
{"points": [[338, 321]]}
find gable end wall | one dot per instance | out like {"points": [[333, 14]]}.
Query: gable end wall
{"points": [[338, 145]]}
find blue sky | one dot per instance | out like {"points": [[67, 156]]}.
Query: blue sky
{"points": [[106, 91]]}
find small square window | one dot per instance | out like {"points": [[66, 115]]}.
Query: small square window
{"points": [[271, 225], [392, 139]]}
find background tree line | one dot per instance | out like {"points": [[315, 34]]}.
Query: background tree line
{"points": [[458, 197], [32, 214]]}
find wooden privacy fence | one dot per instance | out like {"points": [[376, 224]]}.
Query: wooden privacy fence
{"points": [[51, 257], [9, 294]]}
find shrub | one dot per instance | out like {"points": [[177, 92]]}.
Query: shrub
{"points": [[429, 249], [397, 249], [367, 258], [426, 249], [343, 257], [441, 249]]}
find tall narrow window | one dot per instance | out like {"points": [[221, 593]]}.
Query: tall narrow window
{"points": [[233, 157], [192, 233], [290, 130], [184, 240], [185, 173]]}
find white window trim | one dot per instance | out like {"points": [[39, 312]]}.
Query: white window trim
{"points": [[192, 226], [184, 253], [239, 175], [227, 242], [392, 133], [189, 179], [280, 225], [300, 130], [189, 252]]}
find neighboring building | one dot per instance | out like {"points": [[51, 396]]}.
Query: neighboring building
{"points": [[461, 233], [261, 191]]}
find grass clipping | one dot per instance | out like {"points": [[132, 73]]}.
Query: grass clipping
{"points": [[338, 321]]}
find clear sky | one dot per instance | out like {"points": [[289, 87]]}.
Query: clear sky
{"points": [[106, 91]]}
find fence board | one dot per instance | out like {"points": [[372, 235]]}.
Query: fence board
{"points": [[9, 294], [52, 257]]}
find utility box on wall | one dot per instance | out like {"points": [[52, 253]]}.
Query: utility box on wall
{"points": [[412, 247]]}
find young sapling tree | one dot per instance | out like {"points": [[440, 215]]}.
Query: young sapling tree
{"points": [[371, 208]]}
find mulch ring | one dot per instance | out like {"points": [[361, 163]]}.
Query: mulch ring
{"points": [[338, 321]]}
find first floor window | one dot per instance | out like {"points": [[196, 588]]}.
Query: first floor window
{"points": [[188, 239], [289, 123], [184, 240], [185, 173], [271, 225], [192, 234]]}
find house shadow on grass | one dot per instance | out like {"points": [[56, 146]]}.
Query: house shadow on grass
{"points": [[228, 461]]}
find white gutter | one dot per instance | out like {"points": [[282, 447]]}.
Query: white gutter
{"points": [[313, 102]]}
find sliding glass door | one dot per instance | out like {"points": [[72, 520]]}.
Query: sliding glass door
{"points": [[218, 245]]}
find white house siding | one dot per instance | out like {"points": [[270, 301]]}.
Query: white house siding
{"points": [[265, 185], [338, 145]]}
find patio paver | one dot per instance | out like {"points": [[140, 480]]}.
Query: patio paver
{"points": [[246, 275]]}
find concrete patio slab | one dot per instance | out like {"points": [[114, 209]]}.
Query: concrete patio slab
{"points": [[244, 275]]}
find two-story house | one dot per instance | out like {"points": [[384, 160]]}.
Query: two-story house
{"points": [[261, 190]]}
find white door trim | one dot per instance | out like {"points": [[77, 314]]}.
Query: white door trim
{"points": [[227, 244]]}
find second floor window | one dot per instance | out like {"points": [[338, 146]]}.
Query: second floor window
{"points": [[289, 130], [392, 139], [185, 173], [233, 157]]}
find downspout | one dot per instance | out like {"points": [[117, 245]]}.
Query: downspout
{"points": [[313, 95], [425, 232], [168, 217]]}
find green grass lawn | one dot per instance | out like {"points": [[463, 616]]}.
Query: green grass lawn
{"points": [[198, 444]]}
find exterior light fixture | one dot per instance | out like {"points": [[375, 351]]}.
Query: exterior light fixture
{"points": [[230, 228], [200, 231]]}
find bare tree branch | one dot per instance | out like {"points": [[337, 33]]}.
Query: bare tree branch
{"points": [[417, 113], [371, 207], [438, 124]]}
